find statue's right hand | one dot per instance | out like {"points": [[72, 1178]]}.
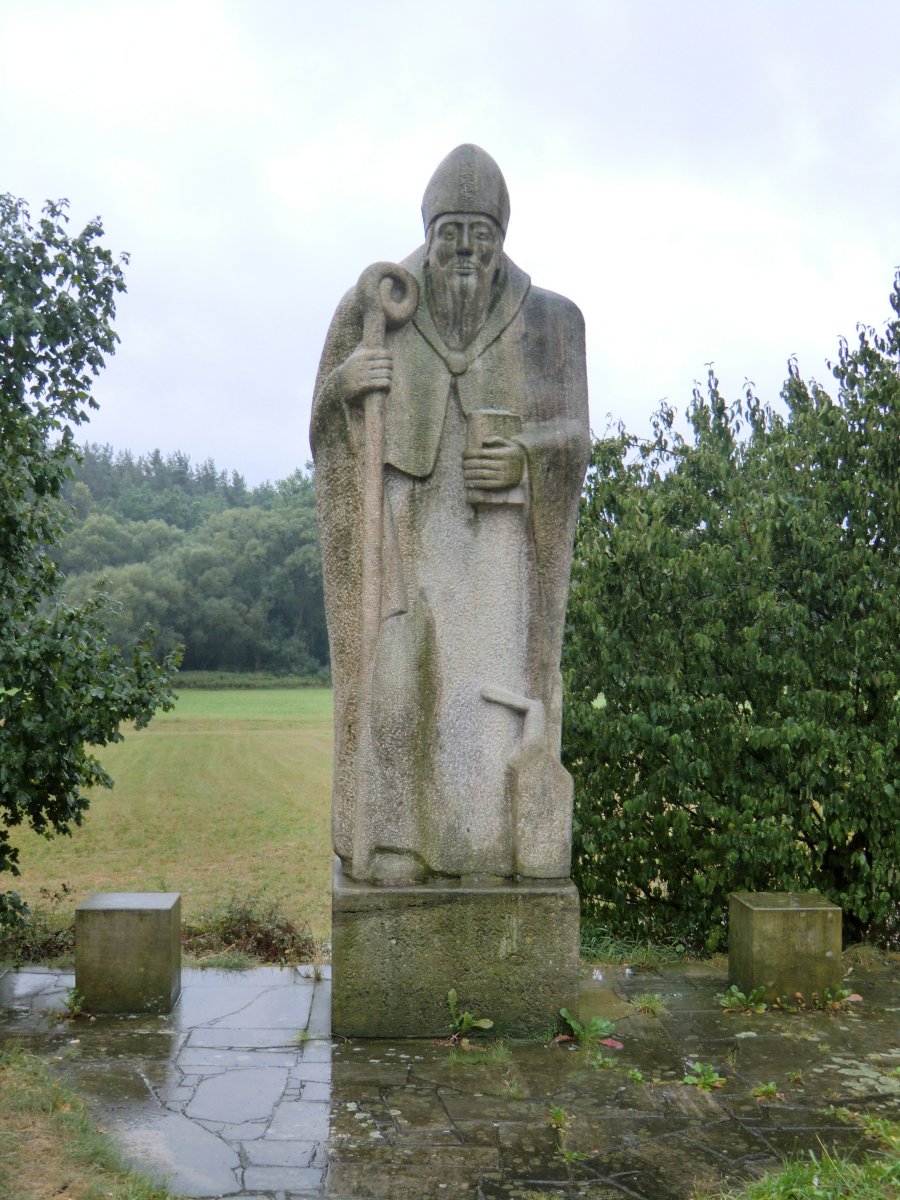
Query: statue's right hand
{"points": [[365, 371]]}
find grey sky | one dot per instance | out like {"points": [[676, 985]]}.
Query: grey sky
{"points": [[707, 181]]}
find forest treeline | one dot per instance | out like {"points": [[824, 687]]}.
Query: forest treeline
{"points": [[231, 573]]}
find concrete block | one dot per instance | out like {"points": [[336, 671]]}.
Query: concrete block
{"points": [[786, 942], [128, 951], [510, 950]]}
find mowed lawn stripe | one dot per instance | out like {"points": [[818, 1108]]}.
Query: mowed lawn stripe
{"points": [[228, 794]]}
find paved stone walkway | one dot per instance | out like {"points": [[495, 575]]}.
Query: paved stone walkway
{"points": [[241, 1092]]}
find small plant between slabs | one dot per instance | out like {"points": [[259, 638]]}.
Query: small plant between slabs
{"points": [[74, 1006], [468, 1054], [767, 1091], [831, 1000], [834, 1000], [703, 1076], [649, 1003], [635, 1075], [734, 1000], [561, 1122], [462, 1023], [596, 1031]]}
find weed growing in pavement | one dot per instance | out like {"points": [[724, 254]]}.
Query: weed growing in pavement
{"points": [[75, 1003], [466, 1053], [595, 1030], [703, 1076], [648, 1002], [831, 1000], [767, 1091], [734, 1000], [602, 1062], [462, 1023], [560, 1121]]}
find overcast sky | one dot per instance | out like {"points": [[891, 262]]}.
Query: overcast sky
{"points": [[708, 180]]}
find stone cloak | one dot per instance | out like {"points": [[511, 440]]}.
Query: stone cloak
{"points": [[528, 358]]}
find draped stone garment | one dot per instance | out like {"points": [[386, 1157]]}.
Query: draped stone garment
{"points": [[473, 596]]}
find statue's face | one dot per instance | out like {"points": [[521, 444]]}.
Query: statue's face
{"points": [[466, 243], [463, 259]]}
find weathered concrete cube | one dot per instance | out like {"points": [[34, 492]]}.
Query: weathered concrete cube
{"points": [[128, 951], [510, 951], [786, 942]]}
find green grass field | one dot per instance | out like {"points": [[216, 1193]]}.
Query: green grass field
{"points": [[227, 794]]}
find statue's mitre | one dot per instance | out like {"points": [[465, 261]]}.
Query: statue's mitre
{"points": [[467, 181]]}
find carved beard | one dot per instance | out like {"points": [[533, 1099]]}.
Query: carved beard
{"points": [[459, 303]]}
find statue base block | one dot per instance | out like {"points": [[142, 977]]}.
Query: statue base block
{"points": [[510, 951], [786, 942]]}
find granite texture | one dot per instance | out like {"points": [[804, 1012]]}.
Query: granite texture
{"points": [[128, 951], [785, 942], [509, 950]]}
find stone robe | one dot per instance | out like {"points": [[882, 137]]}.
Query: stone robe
{"points": [[447, 744]]}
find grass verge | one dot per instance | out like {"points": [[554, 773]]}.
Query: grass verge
{"points": [[826, 1176], [50, 1149]]}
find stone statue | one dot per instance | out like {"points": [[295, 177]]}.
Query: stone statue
{"points": [[450, 437]]}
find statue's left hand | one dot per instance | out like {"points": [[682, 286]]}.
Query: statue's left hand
{"points": [[497, 465]]}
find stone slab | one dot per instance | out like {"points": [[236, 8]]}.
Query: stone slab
{"points": [[786, 942], [128, 951], [244, 1094], [193, 1161], [510, 950]]}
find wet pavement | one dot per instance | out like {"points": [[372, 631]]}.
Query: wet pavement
{"points": [[242, 1093]]}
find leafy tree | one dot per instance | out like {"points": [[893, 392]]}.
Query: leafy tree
{"points": [[233, 574], [63, 687], [158, 486], [733, 719]]}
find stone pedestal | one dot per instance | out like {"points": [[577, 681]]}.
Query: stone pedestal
{"points": [[785, 942], [128, 951], [510, 950]]}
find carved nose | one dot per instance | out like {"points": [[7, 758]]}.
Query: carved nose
{"points": [[464, 242]]}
